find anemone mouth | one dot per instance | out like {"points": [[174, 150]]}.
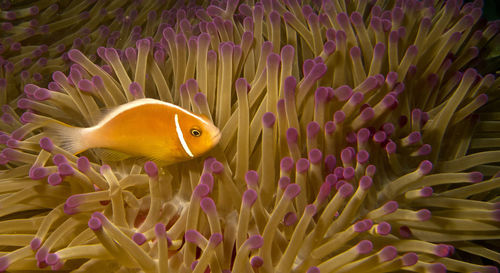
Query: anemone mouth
{"points": [[349, 137]]}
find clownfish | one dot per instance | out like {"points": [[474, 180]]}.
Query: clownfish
{"points": [[147, 128]]}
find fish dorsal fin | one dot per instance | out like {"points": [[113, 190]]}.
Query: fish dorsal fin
{"points": [[107, 113], [110, 155]]}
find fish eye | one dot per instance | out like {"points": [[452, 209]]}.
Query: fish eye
{"points": [[195, 132]]}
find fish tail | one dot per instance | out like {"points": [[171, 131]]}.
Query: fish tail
{"points": [[69, 138]]}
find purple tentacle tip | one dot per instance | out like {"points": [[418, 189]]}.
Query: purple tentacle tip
{"points": [[46, 144], [425, 149], [339, 172], [388, 253], [273, 59], [437, 268], [292, 191], [364, 247], [391, 147], [85, 85], [256, 261], [207, 204], [249, 197], [83, 164], [252, 178], [384, 228], [95, 223], [365, 182], [355, 52], [315, 156], [360, 226], [324, 191], [317, 71], [425, 167], [201, 191], [368, 224], [65, 169], [255, 241], [151, 169], [414, 137], [424, 214], [52, 259], [217, 167], [216, 239], [330, 127], [329, 47], [200, 98], [283, 182], [292, 135], [310, 209], [105, 168], [442, 250], [302, 165], [38, 173], [343, 93], [207, 179], [345, 190], [35, 243], [390, 207], [313, 269], [363, 135], [367, 113], [41, 254], [348, 173], [475, 177], [290, 84], [362, 156], [338, 117], [289, 219], [75, 55], [70, 210], [409, 259], [143, 43], [135, 89], [286, 164], [159, 230], [268, 119], [54, 179], [73, 201], [192, 236], [42, 94], [426, 192], [330, 162], [59, 159], [321, 94], [313, 129], [27, 117]]}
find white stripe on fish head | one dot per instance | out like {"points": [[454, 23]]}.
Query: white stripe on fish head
{"points": [[181, 136]]}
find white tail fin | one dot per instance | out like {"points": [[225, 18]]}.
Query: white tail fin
{"points": [[69, 138]]}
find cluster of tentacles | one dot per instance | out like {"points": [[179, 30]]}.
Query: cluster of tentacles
{"points": [[357, 136]]}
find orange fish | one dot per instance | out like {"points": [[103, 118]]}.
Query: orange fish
{"points": [[147, 128]]}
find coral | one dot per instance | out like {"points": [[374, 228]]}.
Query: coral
{"points": [[357, 136]]}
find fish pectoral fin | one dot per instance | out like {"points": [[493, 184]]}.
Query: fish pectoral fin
{"points": [[110, 155]]}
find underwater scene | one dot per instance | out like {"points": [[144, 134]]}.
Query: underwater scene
{"points": [[270, 136]]}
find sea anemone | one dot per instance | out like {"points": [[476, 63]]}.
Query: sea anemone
{"points": [[357, 136]]}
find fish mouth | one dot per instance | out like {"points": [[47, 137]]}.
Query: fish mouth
{"points": [[216, 138]]}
